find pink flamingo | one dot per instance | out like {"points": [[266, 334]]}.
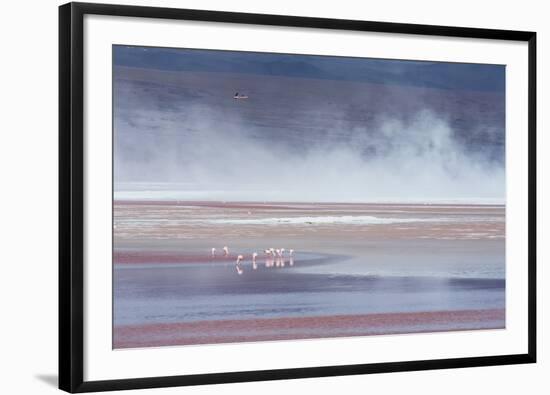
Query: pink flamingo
{"points": [[268, 262], [239, 270], [213, 252], [277, 262], [225, 251]]}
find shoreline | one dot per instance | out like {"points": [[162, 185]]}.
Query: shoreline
{"points": [[124, 257], [299, 328]]}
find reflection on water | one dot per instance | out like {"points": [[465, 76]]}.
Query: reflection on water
{"points": [[279, 287]]}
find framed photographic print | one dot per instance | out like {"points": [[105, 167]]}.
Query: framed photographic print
{"points": [[253, 197]]}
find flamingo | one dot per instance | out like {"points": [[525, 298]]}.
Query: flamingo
{"points": [[226, 251], [213, 252], [239, 270], [268, 262], [291, 252], [254, 255]]}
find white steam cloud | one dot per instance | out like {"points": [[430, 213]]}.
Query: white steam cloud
{"points": [[417, 159]]}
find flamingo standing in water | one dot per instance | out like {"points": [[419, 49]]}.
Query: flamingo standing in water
{"points": [[268, 258], [225, 251], [277, 261], [254, 266], [239, 270], [291, 257], [213, 252]]}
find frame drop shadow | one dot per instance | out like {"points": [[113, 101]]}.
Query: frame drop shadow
{"points": [[50, 379]]}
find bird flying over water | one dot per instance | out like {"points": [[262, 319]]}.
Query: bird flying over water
{"points": [[238, 96]]}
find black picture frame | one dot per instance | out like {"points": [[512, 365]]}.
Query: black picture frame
{"points": [[71, 196]]}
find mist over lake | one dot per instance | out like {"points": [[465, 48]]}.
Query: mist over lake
{"points": [[355, 129]]}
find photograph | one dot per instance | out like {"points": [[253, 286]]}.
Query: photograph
{"points": [[263, 196]]}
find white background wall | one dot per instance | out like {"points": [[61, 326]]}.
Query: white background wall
{"points": [[28, 197]]}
